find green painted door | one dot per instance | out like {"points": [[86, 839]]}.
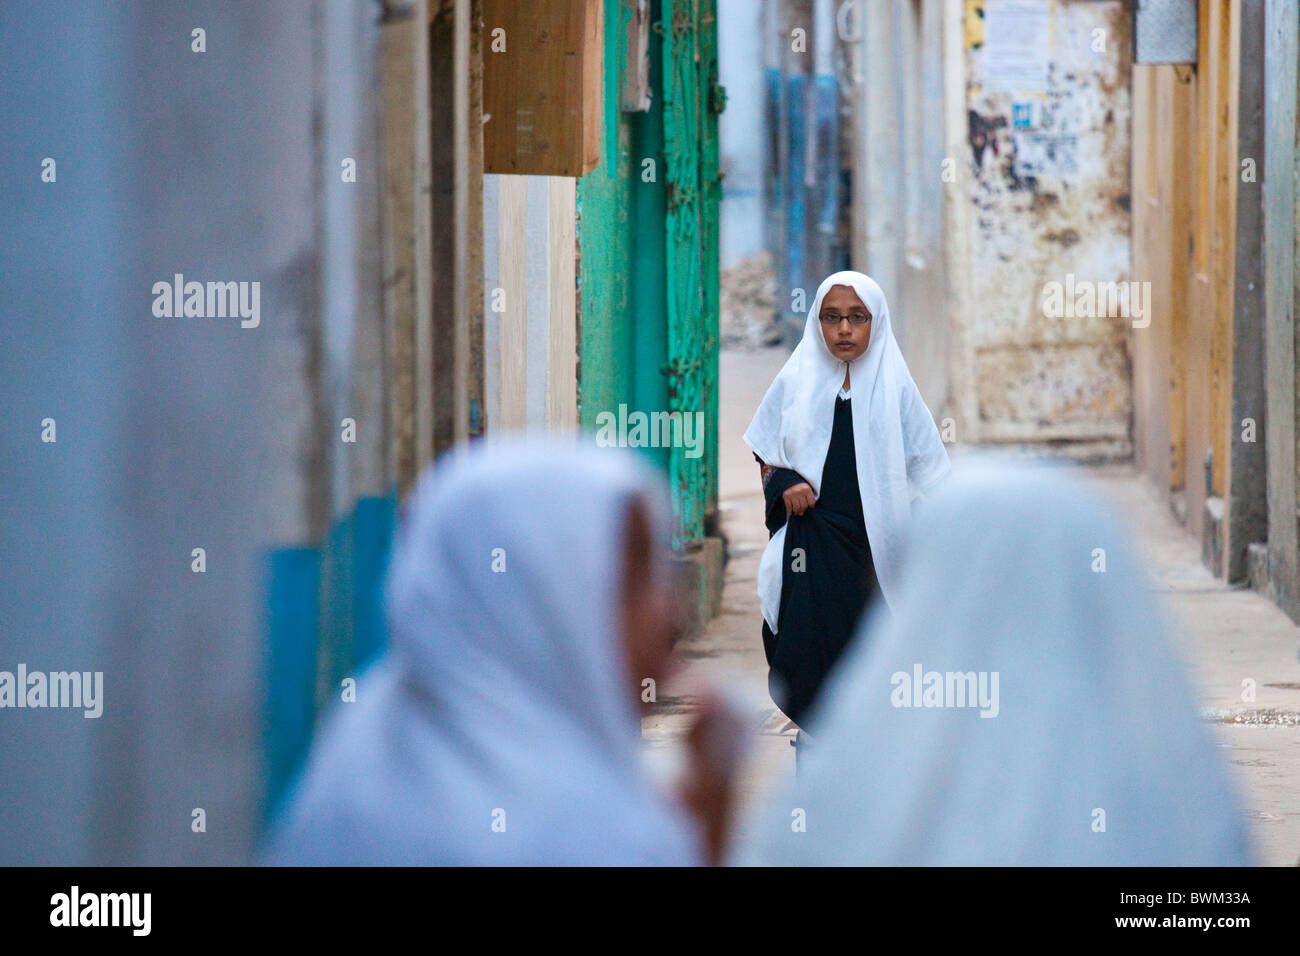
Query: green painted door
{"points": [[692, 191]]}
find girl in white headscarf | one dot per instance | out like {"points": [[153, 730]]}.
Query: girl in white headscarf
{"points": [[1021, 705], [503, 727], [845, 443]]}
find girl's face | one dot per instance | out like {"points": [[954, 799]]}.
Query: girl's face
{"points": [[846, 323]]}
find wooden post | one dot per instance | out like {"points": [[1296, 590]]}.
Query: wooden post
{"points": [[1150, 231], [562, 363], [512, 344], [1245, 490], [1280, 209], [1225, 240], [449, 122], [1201, 297], [475, 387], [404, 45], [1162, 176], [543, 86], [1178, 99]]}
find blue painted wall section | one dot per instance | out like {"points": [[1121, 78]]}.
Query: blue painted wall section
{"points": [[324, 622], [292, 634], [806, 225]]}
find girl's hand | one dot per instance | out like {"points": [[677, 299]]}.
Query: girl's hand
{"points": [[714, 744], [798, 498]]}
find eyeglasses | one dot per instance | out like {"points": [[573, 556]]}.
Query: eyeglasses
{"points": [[856, 318]]}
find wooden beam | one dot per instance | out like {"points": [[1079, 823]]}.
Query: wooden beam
{"points": [[543, 85]]}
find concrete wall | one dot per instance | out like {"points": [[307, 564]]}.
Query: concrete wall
{"points": [[881, 129], [183, 432], [901, 65], [741, 128], [1048, 99], [807, 95], [923, 302]]}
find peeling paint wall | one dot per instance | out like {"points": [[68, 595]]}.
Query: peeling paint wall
{"points": [[1047, 92]]}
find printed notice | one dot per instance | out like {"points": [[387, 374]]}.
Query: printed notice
{"points": [[1017, 44], [1045, 154]]}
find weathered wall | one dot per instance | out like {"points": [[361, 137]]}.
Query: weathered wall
{"points": [[1048, 98], [808, 210], [611, 219], [530, 301], [923, 300], [880, 130], [858, 161], [454, 180], [1164, 178], [1207, 349], [648, 241], [180, 432], [1246, 493], [740, 128], [1280, 290], [622, 238]]}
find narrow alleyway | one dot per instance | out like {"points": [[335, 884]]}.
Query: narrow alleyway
{"points": [[1228, 635]]}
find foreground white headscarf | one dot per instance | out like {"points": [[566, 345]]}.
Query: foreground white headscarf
{"points": [[899, 453], [504, 695], [1094, 711]]}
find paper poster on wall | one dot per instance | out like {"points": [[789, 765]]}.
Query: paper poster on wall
{"points": [[1045, 154], [1017, 44], [1024, 115]]}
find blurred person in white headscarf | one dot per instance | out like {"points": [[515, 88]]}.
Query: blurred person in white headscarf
{"points": [[845, 444], [529, 597], [1022, 705]]}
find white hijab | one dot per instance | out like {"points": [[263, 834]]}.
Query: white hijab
{"points": [[900, 455], [1094, 712], [503, 697]]}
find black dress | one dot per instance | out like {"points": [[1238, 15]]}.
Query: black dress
{"points": [[820, 604]]}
